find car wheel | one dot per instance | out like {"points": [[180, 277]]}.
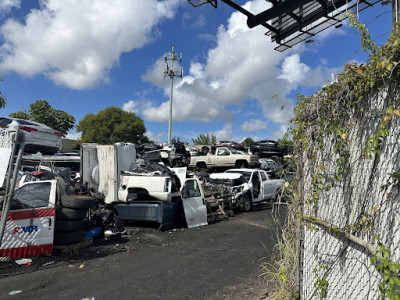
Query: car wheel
{"points": [[78, 201], [67, 238], [65, 213], [201, 167], [68, 225], [246, 204], [241, 164]]}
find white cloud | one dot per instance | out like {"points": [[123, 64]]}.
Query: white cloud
{"points": [[74, 135], [7, 5], [243, 65], [131, 106], [226, 133], [76, 43], [253, 125], [293, 70], [155, 137]]}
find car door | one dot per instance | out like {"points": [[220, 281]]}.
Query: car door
{"points": [[268, 189], [224, 157], [193, 203], [30, 224]]}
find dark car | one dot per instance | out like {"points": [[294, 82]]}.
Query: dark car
{"points": [[231, 144], [268, 148], [141, 149], [156, 156]]}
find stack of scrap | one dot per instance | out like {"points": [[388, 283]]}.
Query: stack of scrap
{"points": [[218, 200]]}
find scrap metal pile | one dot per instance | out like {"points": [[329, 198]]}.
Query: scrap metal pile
{"points": [[218, 198]]}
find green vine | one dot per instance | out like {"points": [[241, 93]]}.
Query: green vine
{"points": [[322, 131], [390, 284], [321, 283]]}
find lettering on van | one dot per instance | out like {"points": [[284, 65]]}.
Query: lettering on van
{"points": [[24, 229]]}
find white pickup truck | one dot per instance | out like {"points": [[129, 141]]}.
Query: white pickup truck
{"points": [[224, 157], [259, 187], [141, 193]]}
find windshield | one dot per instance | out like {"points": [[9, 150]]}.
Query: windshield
{"points": [[32, 195], [246, 174], [234, 151]]}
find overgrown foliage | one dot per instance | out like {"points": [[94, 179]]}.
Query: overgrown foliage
{"points": [[112, 125], [331, 112]]}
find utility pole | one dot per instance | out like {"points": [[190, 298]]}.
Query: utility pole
{"points": [[171, 72], [395, 11]]}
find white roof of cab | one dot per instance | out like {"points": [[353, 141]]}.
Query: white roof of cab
{"points": [[225, 175]]}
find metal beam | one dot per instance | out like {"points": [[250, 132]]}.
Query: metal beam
{"points": [[248, 14], [282, 8]]}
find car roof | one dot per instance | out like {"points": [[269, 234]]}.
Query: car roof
{"points": [[28, 122], [243, 169], [225, 175]]}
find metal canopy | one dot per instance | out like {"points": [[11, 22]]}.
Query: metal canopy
{"points": [[293, 21]]}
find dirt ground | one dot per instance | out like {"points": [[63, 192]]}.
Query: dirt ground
{"points": [[219, 261]]}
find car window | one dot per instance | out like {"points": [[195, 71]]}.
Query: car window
{"points": [[263, 176], [222, 151], [4, 122], [234, 151], [32, 195], [191, 189], [25, 122]]}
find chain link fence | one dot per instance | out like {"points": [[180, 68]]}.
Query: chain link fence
{"points": [[360, 209]]}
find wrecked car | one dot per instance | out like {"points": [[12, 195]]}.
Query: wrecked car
{"points": [[150, 192], [241, 190], [262, 187]]}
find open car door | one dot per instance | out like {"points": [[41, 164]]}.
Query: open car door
{"points": [[193, 203], [30, 225]]}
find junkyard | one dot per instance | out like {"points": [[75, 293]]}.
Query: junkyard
{"points": [[263, 164], [105, 209]]}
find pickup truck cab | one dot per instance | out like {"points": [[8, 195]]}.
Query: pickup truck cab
{"points": [[262, 187], [224, 157]]}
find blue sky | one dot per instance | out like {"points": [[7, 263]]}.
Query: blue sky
{"points": [[83, 56]]}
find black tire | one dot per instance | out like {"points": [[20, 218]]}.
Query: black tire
{"points": [[246, 204], [67, 238], [241, 164], [78, 201], [68, 225], [201, 166], [65, 213]]}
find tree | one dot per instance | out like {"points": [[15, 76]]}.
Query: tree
{"points": [[247, 141], [42, 112], [20, 115], [205, 139], [112, 125], [176, 139], [2, 99], [287, 140]]}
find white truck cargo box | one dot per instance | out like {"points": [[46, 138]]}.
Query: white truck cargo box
{"points": [[101, 166]]}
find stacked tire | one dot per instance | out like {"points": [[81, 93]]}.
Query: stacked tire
{"points": [[70, 215]]}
